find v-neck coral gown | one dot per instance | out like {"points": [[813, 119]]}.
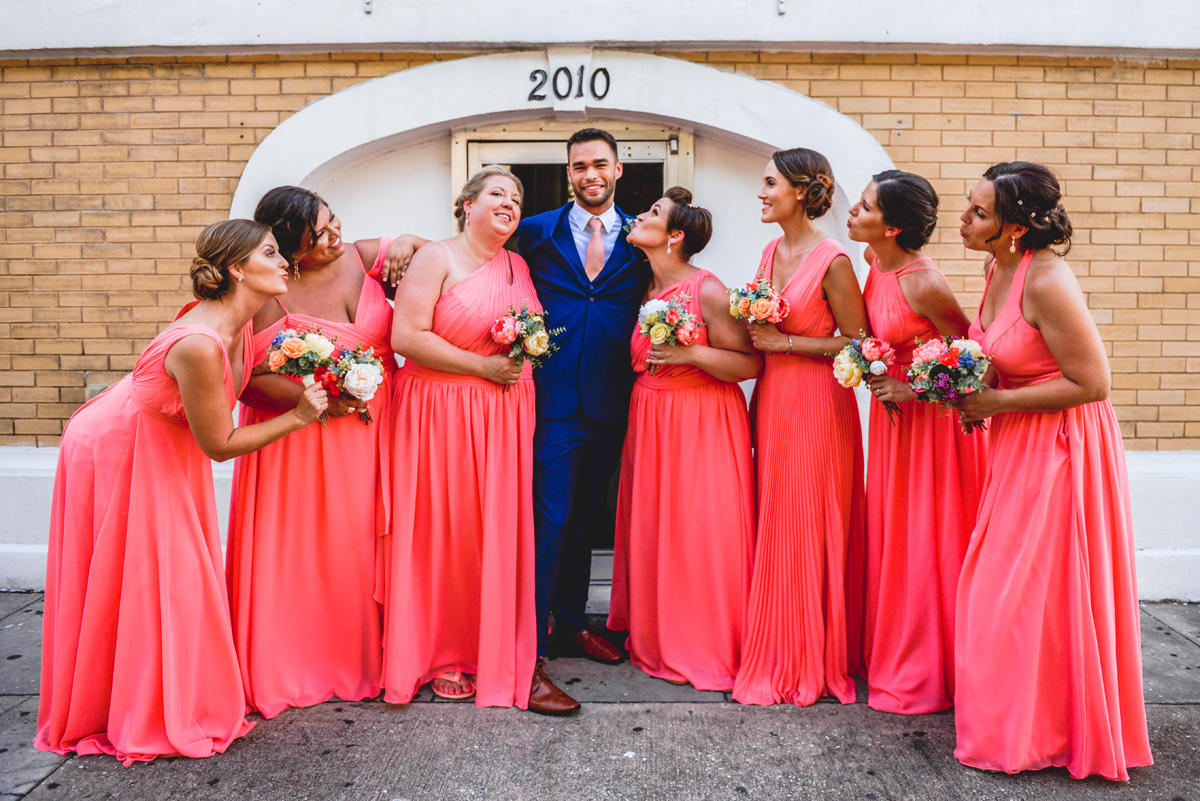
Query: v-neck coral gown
{"points": [[685, 518], [458, 563], [803, 638], [304, 517], [137, 656], [1048, 645], [924, 477]]}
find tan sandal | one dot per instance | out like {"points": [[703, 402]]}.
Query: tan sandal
{"points": [[453, 677]]}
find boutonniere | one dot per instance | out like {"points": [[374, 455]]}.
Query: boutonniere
{"points": [[628, 226]]}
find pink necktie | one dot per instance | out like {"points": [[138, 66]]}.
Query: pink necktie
{"points": [[594, 261]]}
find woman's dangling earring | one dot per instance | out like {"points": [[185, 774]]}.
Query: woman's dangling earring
{"points": [[1013, 247], [668, 247]]}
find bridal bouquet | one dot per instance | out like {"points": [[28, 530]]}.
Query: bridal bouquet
{"points": [[865, 355], [526, 335], [758, 302], [300, 354], [668, 323], [945, 369], [357, 372]]}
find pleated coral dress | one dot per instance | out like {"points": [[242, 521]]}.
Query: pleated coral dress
{"points": [[804, 633], [1048, 645], [684, 544], [137, 656], [458, 565], [924, 478], [304, 517]]}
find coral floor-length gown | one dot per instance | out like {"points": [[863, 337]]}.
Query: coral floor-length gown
{"points": [[458, 564], [924, 477], [137, 656], [685, 518], [804, 633], [1048, 644], [304, 517]]}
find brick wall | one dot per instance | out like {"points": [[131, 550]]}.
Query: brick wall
{"points": [[112, 166]]}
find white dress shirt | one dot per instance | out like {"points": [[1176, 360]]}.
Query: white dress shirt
{"points": [[611, 222]]}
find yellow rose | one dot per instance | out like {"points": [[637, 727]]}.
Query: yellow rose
{"points": [[537, 344], [733, 310], [652, 318], [659, 333], [292, 347], [846, 371]]}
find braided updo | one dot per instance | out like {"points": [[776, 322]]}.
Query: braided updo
{"points": [[1028, 194], [219, 247], [810, 170]]}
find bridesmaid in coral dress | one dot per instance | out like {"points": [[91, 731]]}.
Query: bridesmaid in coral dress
{"points": [[458, 561], [923, 473], [301, 554], [137, 657], [803, 637], [1047, 644], [685, 513]]}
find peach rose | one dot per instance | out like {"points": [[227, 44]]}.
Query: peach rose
{"points": [[275, 361], [779, 309], [744, 307], [930, 351], [672, 316], [293, 348], [876, 350], [761, 308], [506, 330]]}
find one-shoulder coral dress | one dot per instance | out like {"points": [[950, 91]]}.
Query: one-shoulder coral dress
{"points": [[458, 564]]}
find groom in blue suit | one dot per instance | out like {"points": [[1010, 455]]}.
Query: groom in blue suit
{"points": [[590, 281]]}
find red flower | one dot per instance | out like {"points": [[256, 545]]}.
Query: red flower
{"points": [[949, 358]]}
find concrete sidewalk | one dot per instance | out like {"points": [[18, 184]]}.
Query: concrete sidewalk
{"points": [[636, 738]]}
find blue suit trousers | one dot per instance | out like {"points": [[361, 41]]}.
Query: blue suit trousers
{"points": [[573, 459]]}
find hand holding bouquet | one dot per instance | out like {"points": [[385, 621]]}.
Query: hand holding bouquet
{"points": [[357, 372], [668, 323], [300, 354], [865, 355], [758, 302], [945, 369], [526, 335]]}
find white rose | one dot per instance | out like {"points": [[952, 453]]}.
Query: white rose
{"points": [[652, 309], [968, 346], [878, 368], [362, 380], [307, 380], [318, 345]]}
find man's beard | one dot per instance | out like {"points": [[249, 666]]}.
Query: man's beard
{"points": [[603, 199]]}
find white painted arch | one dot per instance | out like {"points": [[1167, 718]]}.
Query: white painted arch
{"points": [[355, 124]]}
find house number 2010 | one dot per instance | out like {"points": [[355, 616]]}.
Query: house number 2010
{"points": [[563, 83]]}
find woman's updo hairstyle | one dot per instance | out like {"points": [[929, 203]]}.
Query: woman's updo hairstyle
{"points": [[473, 188], [219, 247], [292, 213], [810, 170], [1028, 194], [693, 221], [908, 202]]}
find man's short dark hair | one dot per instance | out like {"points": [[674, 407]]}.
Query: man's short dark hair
{"points": [[592, 135]]}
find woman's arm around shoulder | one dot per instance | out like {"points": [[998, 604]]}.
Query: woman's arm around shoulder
{"points": [[197, 364]]}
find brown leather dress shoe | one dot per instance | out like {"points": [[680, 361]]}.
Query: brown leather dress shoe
{"points": [[545, 698], [596, 648]]}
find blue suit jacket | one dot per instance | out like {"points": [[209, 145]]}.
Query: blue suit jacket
{"points": [[591, 368]]}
